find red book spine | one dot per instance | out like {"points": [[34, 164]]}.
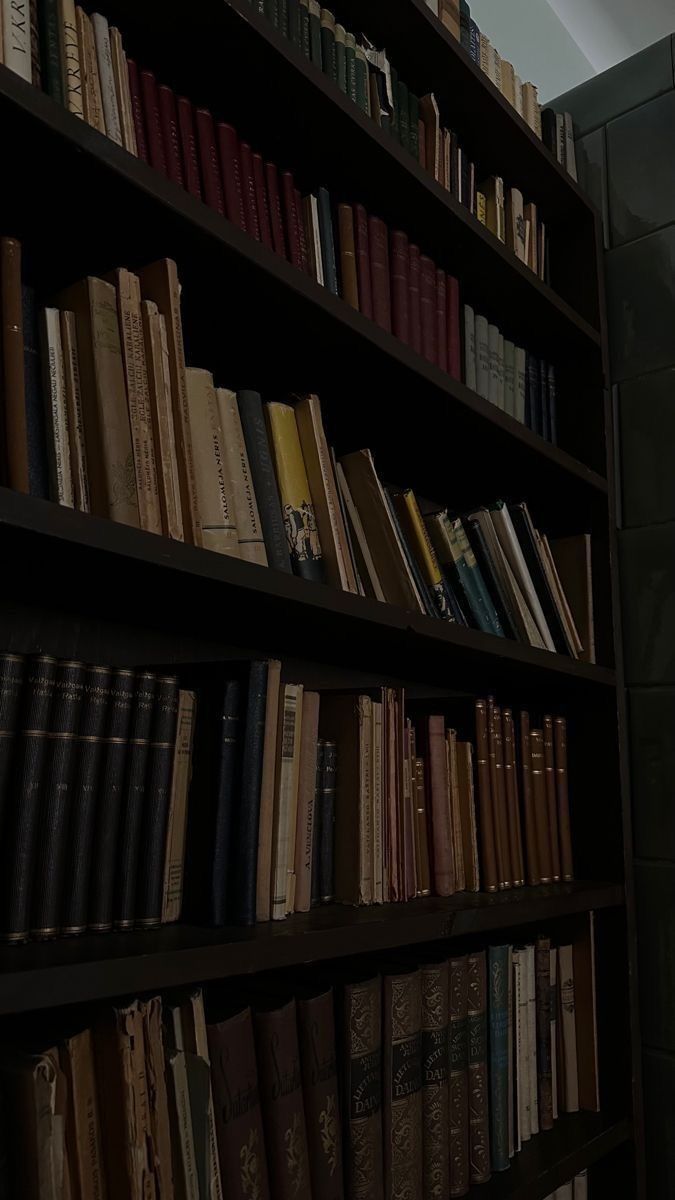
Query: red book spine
{"points": [[428, 307], [398, 250], [379, 272], [152, 121], [230, 165], [276, 214], [262, 202], [188, 141], [441, 321], [454, 338], [248, 190], [137, 109], [168, 117], [292, 223], [304, 245], [415, 314], [208, 157], [362, 248]]}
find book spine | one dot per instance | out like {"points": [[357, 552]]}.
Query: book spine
{"points": [[247, 516], [487, 823], [329, 765], [459, 1076], [562, 789], [134, 800], [444, 875], [512, 802], [543, 1002], [61, 486], [188, 144], [244, 881], [282, 1104], [92, 95], [111, 791], [305, 826], [276, 216], [400, 285], [262, 201], [361, 243], [264, 479], [441, 320], [531, 843], [428, 308], [174, 860], [316, 1024], [540, 806], [238, 1118], [229, 723], [454, 336], [168, 116], [158, 374], [209, 161], [248, 190], [479, 1084], [553, 976], [348, 274], [414, 302], [113, 126], [70, 54], [421, 829], [215, 503], [551, 799], [13, 373], [363, 1090], [153, 124], [327, 242], [498, 962], [122, 91], [138, 400], [137, 110], [292, 221], [12, 673], [156, 808], [379, 273], [435, 1095], [299, 518], [402, 1119], [51, 52], [494, 719]]}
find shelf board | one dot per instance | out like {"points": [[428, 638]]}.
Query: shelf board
{"points": [[93, 967]]}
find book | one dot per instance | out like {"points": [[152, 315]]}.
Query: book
{"points": [[151, 1013], [402, 1084], [380, 531], [540, 805], [74, 417], [553, 978], [155, 818], [305, 826], [421, 824], [497, 962], [214, 496], [543, 1008], [188, 142], [264, 479], [266, 814], [479, 1087], [551, 798], [286, 801], [362, 1075], [573, 561], [13, 363], [318, 1058], [161, 416], [586, 1015], [111, 112], [122, 91], [125, 1124], [569, 1082], [325, 825], [34, 1088], [83, 1123], [196, 1048], [174, 862], [61, 481], [297, 505], [278, 1058], [324, 490], [137, 110], [133, 805], [210, 164], [19, 53], [346, 720], [349, 289], [168, 117], [435, 1095], [489, 869], [459, 1077], [443, 865], [187, 1092], [237, 1112]]}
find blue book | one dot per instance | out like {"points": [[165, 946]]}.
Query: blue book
{"points": [[327, 240], [498, 1009]]}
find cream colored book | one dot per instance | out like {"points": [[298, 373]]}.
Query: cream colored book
{"points": [[286, 800], [485, 53], [503, 525], [92, 99], [366, 800], [378, 803], [518, 91], [430, 117], [113, 125], [16, 47], [70, 56], [158, 1099], [581, 1186], [267, 785], [174, 862], [304, 826], [122, 91], [508, 82], [196, 1043], [496, 68], [78, 456], [161, 416], [515, 224], [214, 495], [323, 488], [247, 517], [185, 1170], [367, 570], [61, 483], [85, 1149]]}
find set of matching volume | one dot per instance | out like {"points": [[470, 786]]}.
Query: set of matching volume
{"points": [[519, 383], [422, 1082]]}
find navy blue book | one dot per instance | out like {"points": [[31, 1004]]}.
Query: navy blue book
{"points": [[243, 875], [134, 800], [498, 1010], [38, 472], [158, 796], [264, 479], [327, 239]]}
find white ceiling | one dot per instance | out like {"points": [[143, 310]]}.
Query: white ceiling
{"points": [[607, 31]]}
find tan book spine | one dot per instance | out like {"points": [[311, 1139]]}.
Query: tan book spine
{"points": [[551, 798], [304, 832], [158, 1100], [92, 101], [174, 863], [70, 57], [455, 811], [247, 516], [498, 796], [540, 805], [421, 841], [366, 800], [531, 844], [467, 805], [286, 799], [111, 113], [58, 435], [214, 497], [122, 92], [378, 803], [83, 1127], [78, 456], [266, 822], [323, 488], [562, 789], [512, 800], [161, 417], [13, 378]]}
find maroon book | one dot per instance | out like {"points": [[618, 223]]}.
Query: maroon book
{"points": [[281, 1099], [302, 228], [152, 122], [236, 1108], [208, 157], [248, 190], [292, 223], [454, 338], [261, 201], [428, 307], [441, 321], [379, 272], [168, 116], [362, 250], [230, 165], [137, 110], [414, 311], [398, 252], [316, 1028], [276, 214], [188, 141]]}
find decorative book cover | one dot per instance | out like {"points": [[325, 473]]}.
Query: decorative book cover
{"points": [[498, 1007], [282, 1102], [435, 1095], [362, 1017], [479, 1088], [239, 1127], [402, 1117], [316, 1024], [543, 1001], [459, 1076]]}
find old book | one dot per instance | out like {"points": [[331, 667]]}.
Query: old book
{"points": [[188, 141], [323, 487], [71, 367], [498, 988], [542, 578], [479, 1102], [441, 817], [153, 122], [399, 259], [345, 722], [362, 251], [34, 1090], [266, 818], [158, 1099], [168, 119], [482, 357], [137, 110], [467, 813], [498, 793], [459, 1077], [485, 801], [327, 239], [379, 272], [515, 223], [226, 190], [512, 800], [195, 1042], [92, 98], [119, 1046], [543, 1002], [363, 559], [531, 1069], [551, 572], [61, 482], [310, 207], [83, 1125], [366, 804], [213, 489], [573, 560], [38, 480], [316, 1029], [155, 818], [12, 674], [325, 803], [553, 977], [435, 1095], [455, 811], [15, 434], [123, 91], [262, 201], [423, 868], [513, 551], [422, 551], [113, 125], [521, 1092], [286, 800], [70, 55], [264, 479], [569, 1082], [282, 1105], [531, 836], [134, 802], [238, 1118], [586, 1015], [378, 798], [402, 1106], [348, 275], [538, 777], [304, 831], [243, 885], [187, 1091], [494, 386], [362, 1066], [110, 797], [174, 861], [380, 531], [470, 348], [302, 534], [248, 191], [551, 798], [162, 419]]}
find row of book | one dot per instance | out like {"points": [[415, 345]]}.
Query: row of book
{"points": [[519, 383], [420, 1082], [576, 1189]]}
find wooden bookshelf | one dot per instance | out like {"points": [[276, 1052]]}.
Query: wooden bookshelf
{"points": [[76, 585]]}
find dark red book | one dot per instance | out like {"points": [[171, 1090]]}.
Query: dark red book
{"points": [[428, 307], [230, 166], [168, 116], [302, 228], [414, 312], [188, 141], [208, 157], [248, 190], [276, 214], [454, 337], [379, 272], [137, 110], [152, 121], [362, 251], [262, 202], [399, 258], [441, 321], [292, 224]]}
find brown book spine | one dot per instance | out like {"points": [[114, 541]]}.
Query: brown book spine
{"points": [[512, 802], [13, 380], [441, 320], [551, 803], [414, 311], [363, 1090], [379, 272], [562, 788], [494, 717], [444, 874], [400, 263], [239, 1127], [459, 1077], [533, 864], [487, 829], [362, 248], [348, 274], [479, 1087], [540, 805], [435, 1093], [83, 1129], [281, 1099], [402, 1132], [320, 1089], [421, 829], [543, 1008], [428, 308]]}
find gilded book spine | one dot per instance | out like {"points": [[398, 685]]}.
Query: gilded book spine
{"points": [[459, 1089], [479, 1087], [320, 1088], [363, 1114], [435, 1111], [498, 992], [239, 1127], [402, 1131]]}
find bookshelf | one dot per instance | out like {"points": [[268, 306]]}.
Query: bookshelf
{"points": [[127, 596]]}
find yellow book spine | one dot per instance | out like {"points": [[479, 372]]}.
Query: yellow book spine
{"points": [[423, 550], [296, 500]]}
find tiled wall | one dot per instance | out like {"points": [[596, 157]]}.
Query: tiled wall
{"points": [[625, 125]]}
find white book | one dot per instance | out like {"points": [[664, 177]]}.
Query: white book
{"points": [[214, 493], [469, 347], [113, 124], [564, 1193], [71, 58], [493, 357], [15, 27], [501, 519], [518, 87], [524, 619], [509, 378], [520, 388], [315, 235], [58, 429], [532, 1039], [554, 1030], [286, 801], [482, 358], [581, 1186]]}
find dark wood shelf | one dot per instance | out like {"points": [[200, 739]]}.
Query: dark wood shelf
{"points": [[68, 971]]}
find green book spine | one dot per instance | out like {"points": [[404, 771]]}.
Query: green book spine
{"points": [[341, 58], [350, 60], [483, 601], [394, 125], [315, 36], [328, 51], [403, 115], [304, 29], [362, 83], [50, 47], [414, 126], [272, 12]]}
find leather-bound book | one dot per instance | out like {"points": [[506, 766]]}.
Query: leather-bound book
{"points": [[188, 144], [512, 802], [423, 865], [414, 301], [441, 320], [109, 801], [379, 272], [362, 248], [498, 1009], [21, 829], [459, 1076], [486, 816], [248, 190], [15, 434], [262, 201], [326, 799], [247, 817], [119, 1047], [402, 1115], [435, 1095], [400, 285], [276, 214], [551, 798], [362, 1058], [428, 308], [267, 788], [137, 110], [212, 188], [291, 219], [316, 840], [504, 865], [316, 1027], [264, 479], [467, 810], [121, 78], [349, 289], [73, 396], [239, 1126], [441, 823], [153, 122], [562, 790], [134, 800], [281, 1100], [157, 799], [161, 419], [51, 849], [479, 1083], [92, 727], [38, 476], [12, 674], [543, 1001], [531, 843], [168, 118], [302, 535], [540, 805], [454, 335], [181, 774], [83, 1124]]}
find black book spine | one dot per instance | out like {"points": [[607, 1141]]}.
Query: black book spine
{"points": [[228, 750], [318, 825], [90, 744], [12, 673], [133, 804], [111, 791], [264, 479], [327, 823], [31, 751], [158, 794], [245, 860], [38, 471], [51, 850]]}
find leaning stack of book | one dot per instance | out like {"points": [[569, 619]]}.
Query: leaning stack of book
{"points": [[430, 1075], [519, 383], [576, 1189]]}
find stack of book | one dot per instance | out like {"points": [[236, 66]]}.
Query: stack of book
{"points": [[384, 1090], [519, 383], [576, 1189]]}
